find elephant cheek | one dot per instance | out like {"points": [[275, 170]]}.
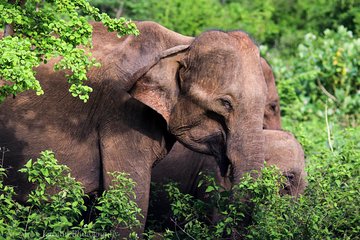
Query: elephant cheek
{"points": [[272, 123]]}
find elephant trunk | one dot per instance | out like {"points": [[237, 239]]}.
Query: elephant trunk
{"points": [[245, 147]]}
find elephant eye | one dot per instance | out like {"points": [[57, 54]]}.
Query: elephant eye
{"points": [[273, 106], [226, 103]]}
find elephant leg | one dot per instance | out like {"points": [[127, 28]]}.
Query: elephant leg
{"points": [[133, 151], [115, 157]]}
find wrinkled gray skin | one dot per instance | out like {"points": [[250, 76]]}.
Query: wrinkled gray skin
{"points": [[208, 92], [183, 166]]}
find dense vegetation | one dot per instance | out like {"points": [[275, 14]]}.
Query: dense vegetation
{"points": [[313, 47], [60, 216]]}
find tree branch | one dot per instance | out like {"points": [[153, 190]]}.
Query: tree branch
{"points": [[325, 91], [8, 30], [120, 10]]}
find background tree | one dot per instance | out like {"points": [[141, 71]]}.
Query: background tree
{"points": [[275, 23]]}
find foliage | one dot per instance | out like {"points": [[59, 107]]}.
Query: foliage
{"points": [[41, 33], [331, 198], [55, 208], [276, 23], [328, 68], [296, 18], [192, 217], [327, 210], [112, 7], [194, 16], [117, 205], [325, 71]]}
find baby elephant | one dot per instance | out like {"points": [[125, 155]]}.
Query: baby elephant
{"points": [[285, 152], [183, 166], [281, 150]]}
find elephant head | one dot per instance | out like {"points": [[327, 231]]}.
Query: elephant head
{"points": [[212, 95], [285, 152]]}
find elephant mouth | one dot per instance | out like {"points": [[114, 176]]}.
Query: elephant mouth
{"points": [[215, 146], [216, 138], [182, 130]]}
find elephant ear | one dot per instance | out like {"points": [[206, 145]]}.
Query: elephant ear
{"points": [[158, 87], [124, 60]]}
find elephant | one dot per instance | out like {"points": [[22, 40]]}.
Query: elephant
{"points": [[183, 166], [206, 92], [282, 150], [186, 159]]}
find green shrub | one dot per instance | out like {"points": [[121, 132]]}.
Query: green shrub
{"points": [[192, 217], [329, 207], [183, 16], [327, 210], [328, 69], [55, 208], [276, 23], [193, 17], [324, 72]]}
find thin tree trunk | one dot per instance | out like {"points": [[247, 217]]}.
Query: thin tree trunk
{"points": [[120, 10], [8, 30]]}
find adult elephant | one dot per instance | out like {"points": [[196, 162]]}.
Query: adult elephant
{"points": [[190, 163], [207, 92], [281, 149]]}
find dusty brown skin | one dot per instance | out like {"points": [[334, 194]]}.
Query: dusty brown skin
{"points": [[281, 150], [183, 166], [284, 151], [184, 159], [208, 92]]}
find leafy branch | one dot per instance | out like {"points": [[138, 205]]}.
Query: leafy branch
{"points": [[36, 31]]}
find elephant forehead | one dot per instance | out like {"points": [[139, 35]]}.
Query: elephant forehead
{"points": [[218, 39], [223, 73], [222, 63], [215, 67]]}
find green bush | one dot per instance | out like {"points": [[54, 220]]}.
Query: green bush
{"points": [[327, 210], [325, 71], [193, 17], [55, 208], [328, 69], [183, 16], [296, 18], [276, 23], [329, 207]]}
